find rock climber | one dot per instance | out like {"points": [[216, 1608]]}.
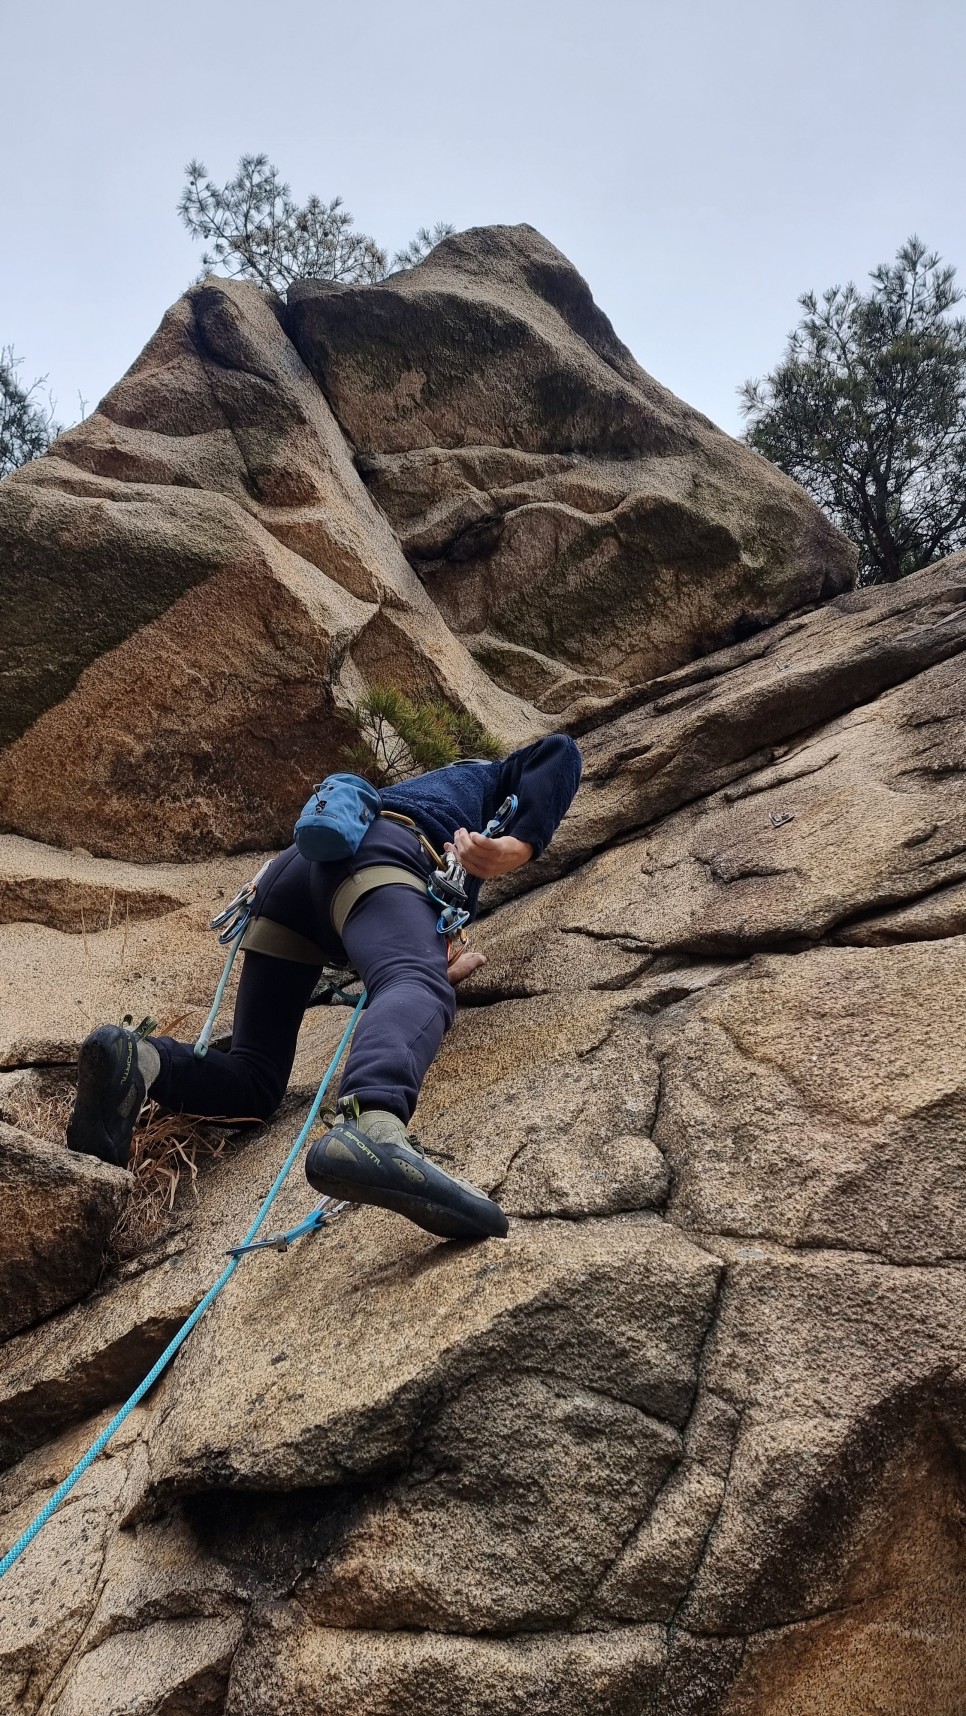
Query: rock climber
{"points": [[389, 937]]}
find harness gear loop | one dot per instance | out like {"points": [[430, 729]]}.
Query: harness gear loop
{"points": [[407, 822]]}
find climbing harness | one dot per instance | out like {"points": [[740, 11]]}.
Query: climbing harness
{"points": [[447, 885], [446, 888], [326, 1211], [348, 894]]}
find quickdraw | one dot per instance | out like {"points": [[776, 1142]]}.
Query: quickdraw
{"points": [[231, 925], [319, 1218]]}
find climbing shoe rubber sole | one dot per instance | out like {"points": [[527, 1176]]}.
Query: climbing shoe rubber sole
{"points": [[110, 1091], [346, 1163]]}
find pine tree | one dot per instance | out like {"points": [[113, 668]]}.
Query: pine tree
{"points": [[27, 425], [867, 410], [399, 736], [253, 229]]}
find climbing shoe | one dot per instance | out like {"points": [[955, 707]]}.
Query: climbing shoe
{"points": [[371, 1159], [111, 1086]]}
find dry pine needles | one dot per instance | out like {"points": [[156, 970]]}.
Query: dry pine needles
{"points": [[166, 1152]]}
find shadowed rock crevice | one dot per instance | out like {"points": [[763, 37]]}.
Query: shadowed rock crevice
{"points": [[893, 1513], [652, 1572], [270, 1541]]}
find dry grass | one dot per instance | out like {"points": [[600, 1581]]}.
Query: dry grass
{"points": [[167, 1150], [39, 1116]]}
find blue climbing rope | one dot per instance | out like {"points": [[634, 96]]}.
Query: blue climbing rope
{"points": [[237, 1254]]}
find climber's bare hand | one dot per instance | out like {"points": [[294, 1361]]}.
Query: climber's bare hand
{"points": [[484, 858], [463, 964]]}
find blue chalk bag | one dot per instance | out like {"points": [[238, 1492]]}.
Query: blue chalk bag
{"points": [[336, 817]]}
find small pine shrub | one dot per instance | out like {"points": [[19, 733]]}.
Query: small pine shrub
{"points": [[399, 736]]}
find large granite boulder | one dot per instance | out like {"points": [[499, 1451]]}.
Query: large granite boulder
{"points": [[569, 516], [198, 584], [195, 584], [803, 785], [59, 1211], [692, 1440]]}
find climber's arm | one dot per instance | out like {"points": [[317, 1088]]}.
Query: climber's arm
{"points": [[483, 856], [544, 776]]}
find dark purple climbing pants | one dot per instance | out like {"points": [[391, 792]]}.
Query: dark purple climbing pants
{"points": [[389, 938]]}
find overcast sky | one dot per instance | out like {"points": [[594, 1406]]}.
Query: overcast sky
{"points": [[701, 161]]}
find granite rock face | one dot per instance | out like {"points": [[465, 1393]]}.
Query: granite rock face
{"points": [[196, 583], [692, 1441], [579, 527], [59, 1210]]}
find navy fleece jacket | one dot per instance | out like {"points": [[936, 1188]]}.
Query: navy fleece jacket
{"points": [[545, 776]]}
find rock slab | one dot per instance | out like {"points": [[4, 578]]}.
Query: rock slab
{"points": [[58, 1213]]}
